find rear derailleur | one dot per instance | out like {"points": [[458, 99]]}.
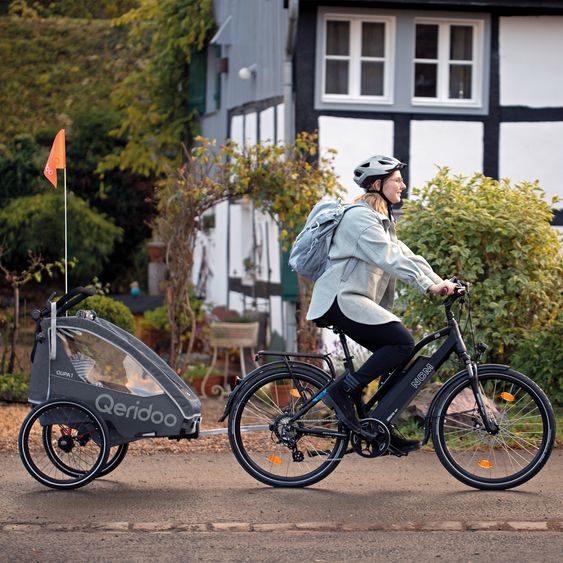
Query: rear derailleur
{"points": [[283, 432]]}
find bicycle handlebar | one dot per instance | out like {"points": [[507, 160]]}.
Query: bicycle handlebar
{"points": [[66, 302], [462, 289]]}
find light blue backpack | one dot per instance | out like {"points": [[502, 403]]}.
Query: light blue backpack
{"points": [[309, 253]]}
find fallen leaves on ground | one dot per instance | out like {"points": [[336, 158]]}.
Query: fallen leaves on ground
{"points": [[12, 415]]}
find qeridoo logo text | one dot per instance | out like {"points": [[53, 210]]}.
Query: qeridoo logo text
{"points": [[422, 376], [106, 404]]}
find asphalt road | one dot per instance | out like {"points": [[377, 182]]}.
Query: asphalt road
{"points": [[204, 507]]}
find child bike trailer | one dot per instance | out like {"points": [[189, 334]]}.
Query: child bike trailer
{"points": [[96, 388]]}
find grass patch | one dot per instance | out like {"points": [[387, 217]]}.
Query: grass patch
{"points": [[413, 429]]}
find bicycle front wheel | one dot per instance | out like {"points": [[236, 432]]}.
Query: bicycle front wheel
{"points": [[503, 460], [274, 451]]}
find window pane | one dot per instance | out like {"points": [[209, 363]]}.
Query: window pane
{"points": [[105, 366], [337, 38], [426, 41], [460, 82], [425, 80], [373, 39], [336, 77], [372, 79], [461, 43]]}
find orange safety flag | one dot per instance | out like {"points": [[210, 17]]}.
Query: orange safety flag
{"points": [[57, 158]]}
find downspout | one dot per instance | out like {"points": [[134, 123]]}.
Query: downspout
{"points": [[289, 112]]}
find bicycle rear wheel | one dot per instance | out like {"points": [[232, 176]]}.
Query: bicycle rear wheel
{"points": [[275, 452], [505, 460]]}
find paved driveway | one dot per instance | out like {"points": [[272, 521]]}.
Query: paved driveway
{"points": [[202, 506]]}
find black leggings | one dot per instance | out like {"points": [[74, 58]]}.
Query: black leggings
{"points": [[391, 343]]}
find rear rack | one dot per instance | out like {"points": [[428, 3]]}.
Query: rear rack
{"points": [[288, 355]]}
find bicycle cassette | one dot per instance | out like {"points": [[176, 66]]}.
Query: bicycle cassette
{"points": [[371, 448]]}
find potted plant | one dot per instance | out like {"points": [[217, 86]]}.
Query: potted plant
{"points": [[195, 375], [156, 250], [155, 329], [283, 393]]}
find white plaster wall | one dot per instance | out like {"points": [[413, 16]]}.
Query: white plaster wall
{"points": [[276, 317], [237, 124], [354, 141], [250, 129], [216, 243], [530, 151], [236, 301], [531, 61], [280, 116], [240, 240], [267, 130], [456, 144]]}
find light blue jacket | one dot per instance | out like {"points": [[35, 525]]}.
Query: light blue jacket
{"points": [[366, 258]]}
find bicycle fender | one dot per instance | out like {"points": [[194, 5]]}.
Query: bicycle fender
{"points": [[454, 379], [264, 370]]}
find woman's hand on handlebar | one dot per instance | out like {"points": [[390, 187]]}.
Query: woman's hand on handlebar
{"points": [[443, 288]]}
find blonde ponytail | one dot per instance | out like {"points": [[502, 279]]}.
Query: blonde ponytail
{"points": [[375, 201]]}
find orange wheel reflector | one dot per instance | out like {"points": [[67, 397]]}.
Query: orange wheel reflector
{"points": [[295, 393], [276, 460], [485, 464], [507, 396]]}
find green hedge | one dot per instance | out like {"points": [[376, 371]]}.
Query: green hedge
{"points": [[51, 66], [13, 387], [110, 310], [496, 235], [540, 355]]}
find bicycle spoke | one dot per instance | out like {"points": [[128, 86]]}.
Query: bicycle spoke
{"points": [[497, 460], [284, 452]]}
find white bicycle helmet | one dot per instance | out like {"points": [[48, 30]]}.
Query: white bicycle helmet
{"points": [[375, 167]]}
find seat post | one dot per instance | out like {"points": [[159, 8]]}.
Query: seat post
{"points": [[348, 364]]}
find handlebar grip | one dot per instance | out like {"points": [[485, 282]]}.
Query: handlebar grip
{"points": [[74, 297], [86, 291]]}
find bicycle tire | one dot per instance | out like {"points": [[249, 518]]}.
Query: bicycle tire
{"points": [[262, 454], [494, 462], [85, 442], [115, 457]]}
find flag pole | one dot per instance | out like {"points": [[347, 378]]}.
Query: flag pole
{"points": [[57, 160], [66, 236]]}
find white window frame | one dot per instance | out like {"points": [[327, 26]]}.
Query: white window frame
{"points": [[442, 98], [355, 59]]}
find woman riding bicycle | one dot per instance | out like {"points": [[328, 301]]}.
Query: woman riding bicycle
{"points": [[356, 292]]}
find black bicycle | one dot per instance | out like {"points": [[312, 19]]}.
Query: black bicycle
{"points": [[492, 427]]}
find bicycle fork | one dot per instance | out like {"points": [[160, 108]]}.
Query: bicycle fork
{"points": [[490, 425]]}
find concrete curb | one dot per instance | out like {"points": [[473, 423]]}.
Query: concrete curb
{"points": [[233, 527]]}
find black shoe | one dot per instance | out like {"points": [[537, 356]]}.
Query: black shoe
{"points": [[403, 444], [343, 400]]}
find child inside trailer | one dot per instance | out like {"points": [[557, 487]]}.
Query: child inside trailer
{"points": [[103, 366]]}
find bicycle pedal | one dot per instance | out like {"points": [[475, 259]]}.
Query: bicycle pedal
{"points": [[396, 452]]}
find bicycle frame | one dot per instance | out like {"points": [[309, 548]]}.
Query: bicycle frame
{"points": [[394, 396]]}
